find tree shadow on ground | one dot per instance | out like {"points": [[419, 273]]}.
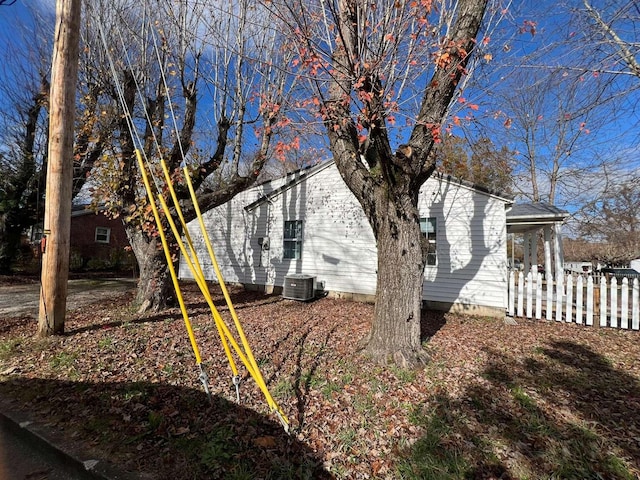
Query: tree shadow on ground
{"points": [[154, 318], [561, 412], [431, 322], [305, 371], [241, 297], [164, 431]]}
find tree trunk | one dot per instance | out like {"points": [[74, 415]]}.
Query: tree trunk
{"points": [[395, 335], [154, 285], [386, 183]]}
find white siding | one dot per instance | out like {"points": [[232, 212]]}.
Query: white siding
{"points": [[471, 245], [338, 244], [230, 230]]}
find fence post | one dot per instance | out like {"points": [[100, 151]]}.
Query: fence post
{"points": [[590, 295], [559, 295], [624, 304], [512, 292], [550, 297], [635, 313], [614, 303], [603, 301], [569, 316], [538, 296], [520, 294], [529, 286], [579, 294]]}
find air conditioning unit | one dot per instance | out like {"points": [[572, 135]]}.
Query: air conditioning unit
{"points": [[299, 287]]}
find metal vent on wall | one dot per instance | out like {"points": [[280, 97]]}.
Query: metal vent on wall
{"points": [[299, 287]]}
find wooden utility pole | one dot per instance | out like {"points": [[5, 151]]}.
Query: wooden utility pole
{"points": [[57, 212]]}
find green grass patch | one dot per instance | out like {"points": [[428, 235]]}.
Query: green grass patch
{"points": [[135, 391], [405, 375], [432, 456], [347, 438], [63, 360], [105, 342], [218, 449], [523, 399], [311, 379], [8, 348], [284, 389], [329, 388]]}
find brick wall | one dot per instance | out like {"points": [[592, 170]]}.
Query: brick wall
{"points": [[86, 253]]}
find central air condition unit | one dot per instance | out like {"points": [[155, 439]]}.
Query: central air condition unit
{"points": [[299, 287]]}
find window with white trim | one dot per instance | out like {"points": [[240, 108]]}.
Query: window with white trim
{"points": [[293, 239], [428, 229], [103, 234]]}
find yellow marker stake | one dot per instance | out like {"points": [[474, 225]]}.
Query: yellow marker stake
{"points": [[167, 253], [258, 376], [216, 267], [196, 270], [192, 253], [200, 281]]}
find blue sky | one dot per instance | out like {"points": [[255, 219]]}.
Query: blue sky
{"points": [[616, 138], [17, 14]]}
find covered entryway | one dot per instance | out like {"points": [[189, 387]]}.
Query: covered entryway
{"points": [[534, 221]]}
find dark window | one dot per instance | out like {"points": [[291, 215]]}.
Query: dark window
{"points": [[103, 234], [428, 229], [293, 239]]}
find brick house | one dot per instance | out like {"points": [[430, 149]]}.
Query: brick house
{"points": [[98, 242]]}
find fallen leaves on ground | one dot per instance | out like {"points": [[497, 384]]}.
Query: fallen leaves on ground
{"points": [[531, 400]]}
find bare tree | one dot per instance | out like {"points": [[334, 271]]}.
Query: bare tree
{"points": [[24, 91], [552, 120], [479, 162], [22, 183], [150, 75], [383, 75], [553, 89], [613, 35], [614, 223]]}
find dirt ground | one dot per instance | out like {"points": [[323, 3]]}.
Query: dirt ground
{"points": [[529, 399], [23, 298]]}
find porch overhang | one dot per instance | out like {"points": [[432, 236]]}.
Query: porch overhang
{"points": [[529, 217]]}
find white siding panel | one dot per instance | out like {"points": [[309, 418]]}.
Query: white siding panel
{"points": [[471, 245], [338, 244]]}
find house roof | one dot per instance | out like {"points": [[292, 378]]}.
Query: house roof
{"points": [[508, 198], [80, 210], [296, 177], [302, 174], [87, 209], [523, 217]]}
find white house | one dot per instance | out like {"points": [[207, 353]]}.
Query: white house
{"points": [[309, 223]]}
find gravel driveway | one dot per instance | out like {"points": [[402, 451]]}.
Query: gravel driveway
{"points": [[23, 299]]}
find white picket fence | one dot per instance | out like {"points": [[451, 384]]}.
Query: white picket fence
{"points": [[604, 302]]}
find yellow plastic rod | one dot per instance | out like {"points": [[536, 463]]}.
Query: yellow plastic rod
{"points": [[167, 254], [199, 280], [258, 377], [220, 324], [216, 267], [192, 253], [199, 276]]}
